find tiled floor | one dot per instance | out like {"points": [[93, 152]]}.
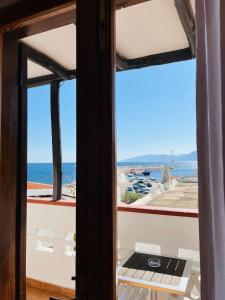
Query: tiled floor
{"points": [[36, 294]]}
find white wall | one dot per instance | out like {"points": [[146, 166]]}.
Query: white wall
{"points": [[55, 267], [50, 225]]}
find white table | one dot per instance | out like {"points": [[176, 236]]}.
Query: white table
{"points": [[153, 280]]}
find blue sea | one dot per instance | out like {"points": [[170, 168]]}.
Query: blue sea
{"points": [[43, 172]]}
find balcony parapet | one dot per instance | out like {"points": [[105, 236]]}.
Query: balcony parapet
{"points": [[153, 210]]}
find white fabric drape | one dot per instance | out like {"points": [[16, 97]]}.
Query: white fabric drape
{"points": [[210, 16]]}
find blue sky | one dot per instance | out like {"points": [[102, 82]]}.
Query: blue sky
{"points": [[155, 113]]}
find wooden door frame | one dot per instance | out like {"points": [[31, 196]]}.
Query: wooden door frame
{"points": [[96, 278], [13, 150], [96, 257], [13, 137]]}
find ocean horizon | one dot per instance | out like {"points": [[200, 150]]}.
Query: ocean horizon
{"points": [[43, 172]]}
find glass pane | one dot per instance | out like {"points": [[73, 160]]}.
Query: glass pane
{"points": [[51, 232]]}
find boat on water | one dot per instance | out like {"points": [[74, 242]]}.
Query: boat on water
{"points": [[146, 172]]}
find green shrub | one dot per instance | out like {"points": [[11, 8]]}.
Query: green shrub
{"points": [[130, 197]]}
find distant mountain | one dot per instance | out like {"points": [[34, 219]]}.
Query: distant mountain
{"points": [[162, 158]]}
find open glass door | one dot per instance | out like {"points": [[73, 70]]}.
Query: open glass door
{"points": [[51, 186], [47, 235], [157, 167]]}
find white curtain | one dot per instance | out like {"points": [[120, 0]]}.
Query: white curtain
{"points": [[210, 16]]}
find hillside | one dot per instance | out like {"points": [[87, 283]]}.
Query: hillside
{"points": [[192, 156]]}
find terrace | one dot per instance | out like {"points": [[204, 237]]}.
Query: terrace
{"points": [[50, 242]]}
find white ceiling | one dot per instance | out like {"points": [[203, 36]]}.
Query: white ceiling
{"points": [[35, 70], [59, 44], [149, 28]]}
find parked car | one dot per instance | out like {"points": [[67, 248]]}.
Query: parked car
{"points": [[141, 181], [142, 185], [145, 191], [130, 189], [140, 178], [136, 186], [131, 177], [149, 184]]}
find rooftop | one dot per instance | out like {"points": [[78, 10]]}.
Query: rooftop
{"points": [[183, 195], [38, 186]]}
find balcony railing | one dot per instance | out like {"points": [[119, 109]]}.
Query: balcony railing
{"points": [[50, 234]]}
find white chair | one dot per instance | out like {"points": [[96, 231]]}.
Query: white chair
{"points": [[194, 286]]}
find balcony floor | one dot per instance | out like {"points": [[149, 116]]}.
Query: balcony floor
{"points": [[37, 294]]}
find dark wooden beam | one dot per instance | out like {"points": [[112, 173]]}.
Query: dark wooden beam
{"points": [[56, 141], [19, 12], [157, 59], [25, 12], [21, 209], [42, 80], [47, 79], [96, 184], [8, 169], [12, 170], [47, 63], [43, 25], [121, 63], [186, 14]]}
